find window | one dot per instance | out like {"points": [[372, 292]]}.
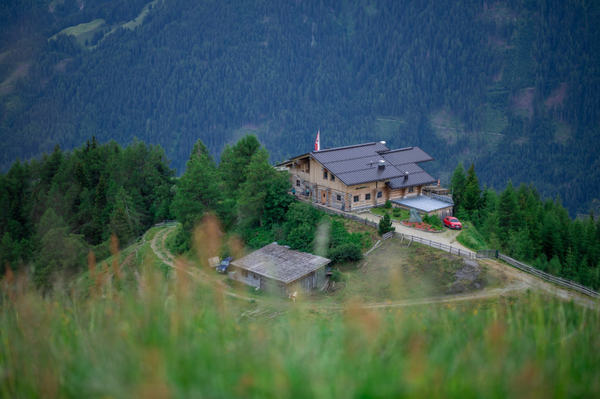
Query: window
{"points": [[297, 183], [325, 174], [255, 276], [245, 273], [379, 194], [367, 197], [410, 189], [356, 198], [332, 177], [339, 197]]}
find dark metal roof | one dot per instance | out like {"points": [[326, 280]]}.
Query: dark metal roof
{"points": [[407, 155], [414, 179], [349, 152], [358, 164]]}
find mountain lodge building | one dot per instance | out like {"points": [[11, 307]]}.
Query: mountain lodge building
{"points": [[366, 175]]}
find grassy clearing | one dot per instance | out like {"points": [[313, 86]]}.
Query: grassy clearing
{"points": [[395, 272], [395, 213], [140, 18], [83, 31], [178, 339]]}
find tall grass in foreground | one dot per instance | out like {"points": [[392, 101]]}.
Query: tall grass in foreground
{"points": [[178, 339]]}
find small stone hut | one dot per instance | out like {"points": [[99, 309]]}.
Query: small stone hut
{"points": [[277, 268]]}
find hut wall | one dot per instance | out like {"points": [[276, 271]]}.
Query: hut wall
{"points": [[245, 277], [310, 282]]}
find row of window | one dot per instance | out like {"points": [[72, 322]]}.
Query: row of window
{"points": [[325, 174], [356, 198]]}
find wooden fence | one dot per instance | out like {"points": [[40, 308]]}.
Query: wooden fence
{"points": [[488, 253], [166, 223], [402, 236], [434, 244], [346, 215], [548, 277]]}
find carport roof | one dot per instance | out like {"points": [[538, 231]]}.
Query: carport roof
{"points": [[423, 203]]}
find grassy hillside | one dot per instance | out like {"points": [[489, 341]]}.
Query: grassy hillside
{"points": [[180, 339]]}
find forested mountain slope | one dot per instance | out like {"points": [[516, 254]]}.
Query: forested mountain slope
{"points": [[509, 85]]}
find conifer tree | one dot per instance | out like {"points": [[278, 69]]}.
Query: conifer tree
{"points": [[508, 211], [472, 192], [264, 194], [385, 225], [119, 225], [458, 185], [197, 190], [234, 161]]}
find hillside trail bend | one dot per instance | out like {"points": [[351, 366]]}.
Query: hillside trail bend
{"points": [[518, 281]]}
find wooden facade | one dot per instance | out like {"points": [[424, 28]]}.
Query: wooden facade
{"points": [[311, 180], [279, 269]]}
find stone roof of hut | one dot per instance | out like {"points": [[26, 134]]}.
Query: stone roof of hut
{"points": [[280, 263]]}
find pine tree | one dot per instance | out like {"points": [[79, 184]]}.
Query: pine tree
{"points": [[458, 185], [119, 225], [264, 187], [508, 212], [197, 191], [385, 225], [99, 214], [472, 192], [234, 161]]}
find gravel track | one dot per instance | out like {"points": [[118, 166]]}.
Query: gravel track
{"points": [[517, 281]]}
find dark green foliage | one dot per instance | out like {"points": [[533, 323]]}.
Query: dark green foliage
{"points": [[472, 192], [300, 226], [348, 252], [53, 211], [388, 204], [234, 161], [434, 221], [385, 225], [458, 186], [198, 190], [168, 84], [537, 232], [263, 197], [336, 276]]}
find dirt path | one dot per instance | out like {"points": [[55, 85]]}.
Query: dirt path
{"points": [[517, 281], [448, 237]]}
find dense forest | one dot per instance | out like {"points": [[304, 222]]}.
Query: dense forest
{"points": [[517, 80], [56, 210], [519, 223]]}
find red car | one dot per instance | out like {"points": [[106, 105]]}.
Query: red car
{"points": [[452, 223]]}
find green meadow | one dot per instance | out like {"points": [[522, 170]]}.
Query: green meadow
{"points": [[181, 338]]}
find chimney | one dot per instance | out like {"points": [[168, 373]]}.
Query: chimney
{"points": [[381, 165], [405, 175]]}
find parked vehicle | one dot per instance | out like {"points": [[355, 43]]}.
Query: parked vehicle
{"points": [[222, 268], [452, 223]]}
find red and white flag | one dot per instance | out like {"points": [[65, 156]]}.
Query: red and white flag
{"points": [[318, 141]]}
